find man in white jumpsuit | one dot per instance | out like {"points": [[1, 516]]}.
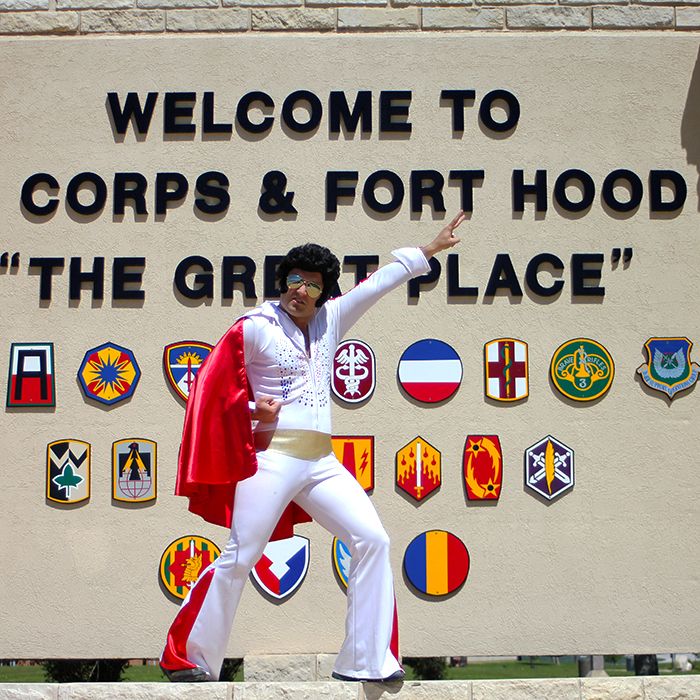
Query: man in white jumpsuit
{"points": [[288, 349]]}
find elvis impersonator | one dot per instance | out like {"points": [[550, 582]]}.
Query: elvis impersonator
{"points": [[258, 426]]}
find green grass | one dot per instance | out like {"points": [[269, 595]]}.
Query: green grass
{"points": [[538, 667]]}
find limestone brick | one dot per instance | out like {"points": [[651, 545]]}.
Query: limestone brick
{"points": [[19, 5], [316, 19], [548, 17], [176, 4], [39, 22], [688, 18], [546, 689], [28, 691], [463, 18], [123, 21], [330, 690], [261, 3], [280, 667], [612, 689], [94, 4], [145, 691], [355, 18], [672, 688], [207, 20], [632, 17], [418, 690]]}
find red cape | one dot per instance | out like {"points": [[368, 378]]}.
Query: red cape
{"points": [[217, 449]]}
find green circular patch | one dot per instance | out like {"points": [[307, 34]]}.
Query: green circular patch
{"points": [[582, 369]]}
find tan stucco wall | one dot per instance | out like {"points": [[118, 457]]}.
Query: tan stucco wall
{"points": [[610, 567]]}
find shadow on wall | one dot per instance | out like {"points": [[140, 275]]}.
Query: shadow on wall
{"points": [[690, 125]]}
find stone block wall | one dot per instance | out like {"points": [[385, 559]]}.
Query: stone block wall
{"points": [[90, 17]]}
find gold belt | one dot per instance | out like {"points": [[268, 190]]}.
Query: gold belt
{"points": [[301, 444]]}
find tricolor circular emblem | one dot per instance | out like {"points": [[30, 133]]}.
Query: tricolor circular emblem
{"points": [[183, 561], [582, 369], [109, 373], [436, 562], [430, 370]]}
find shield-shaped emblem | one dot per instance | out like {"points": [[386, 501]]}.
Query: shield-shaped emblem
{"points": [[436, 562], [282, 567], [549, 468], [356, 454], [418, 468], [341, 561], [31, 378], [483, 467], [582, 369], [183, 561], [181, 362], [134, 470], [668, 367], [68, 471], [109, 373], [354, 371], [430, 370], [506, 369]]}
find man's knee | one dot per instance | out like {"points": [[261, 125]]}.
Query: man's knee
{"points": [[375, 540]]}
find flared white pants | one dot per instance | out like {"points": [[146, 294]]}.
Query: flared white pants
{"points": [[326, 491]]}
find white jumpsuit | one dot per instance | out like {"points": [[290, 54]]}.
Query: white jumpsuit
{"points": [[278, 366]]}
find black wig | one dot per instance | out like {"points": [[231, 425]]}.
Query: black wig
{"points": [[311, 257]]}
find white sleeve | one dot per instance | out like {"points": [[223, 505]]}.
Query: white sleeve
{"points": [[410, 262], [250, 336]]}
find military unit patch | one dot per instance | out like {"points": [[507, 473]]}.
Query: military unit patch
{"points": [[430, 371], [341, 561], [31, 377], [436, 563], [356, 454], [109, 373], [183, 561], [549, 468], [354, 371], [68, 471], [134, 470], [668, 368], [418, 468], [282, 567], [181, 362], [582, 369], [483, 467], [506, 369]]}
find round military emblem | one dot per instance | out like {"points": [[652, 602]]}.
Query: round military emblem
{"points": [[582, 369], [430, 370], [436, 562], [183, 561]]}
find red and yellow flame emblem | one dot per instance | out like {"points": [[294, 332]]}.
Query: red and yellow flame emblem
{"points": [[483, 467]]}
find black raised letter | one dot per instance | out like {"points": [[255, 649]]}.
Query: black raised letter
{"points": [[132, 112], [27, 196], [580, 274], [521, 190], [503, 277], [204, 280], [121, 277], [77, 278], [229, 278]]}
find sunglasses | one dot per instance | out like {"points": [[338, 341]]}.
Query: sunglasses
{"points": [[297, 282]]}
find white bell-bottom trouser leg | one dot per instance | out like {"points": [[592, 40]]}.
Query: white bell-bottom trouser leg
{"points": [[324, 488]]}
